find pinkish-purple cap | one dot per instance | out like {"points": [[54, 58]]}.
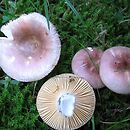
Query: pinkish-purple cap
{"points": [[114, 69], [85, 64], [30, 50]]}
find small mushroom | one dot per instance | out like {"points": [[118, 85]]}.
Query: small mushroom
{"points": [[85, 64], [66, 102], [115, 69], [30, 51]]}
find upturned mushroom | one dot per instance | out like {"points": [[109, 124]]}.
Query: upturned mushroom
{"points": [[66, 102], [30, 50], [85, 64], [115, 69]]}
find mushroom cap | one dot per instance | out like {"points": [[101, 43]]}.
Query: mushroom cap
{"points": [[85, 64], [115, 69], [61, 85], [31, 50]]}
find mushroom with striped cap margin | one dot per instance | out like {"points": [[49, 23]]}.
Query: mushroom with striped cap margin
{"points": [[30, 49], [66, 102]]}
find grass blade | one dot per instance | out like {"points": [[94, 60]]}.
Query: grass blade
{"points": [[73, 9], [125, 120], [33, 5], [115, 124], [93, 62], [46, 13], [93, 123]]}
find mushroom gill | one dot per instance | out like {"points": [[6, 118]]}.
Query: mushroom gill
{"points": [[66, 102]]}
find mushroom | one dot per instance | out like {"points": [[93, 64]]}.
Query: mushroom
{"points": [[30, 51], [66, 102], [115, 69], [85, 64]]}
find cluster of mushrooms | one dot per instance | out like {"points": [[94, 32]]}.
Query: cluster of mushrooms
{"points": [[31, 50], [110, 68]]}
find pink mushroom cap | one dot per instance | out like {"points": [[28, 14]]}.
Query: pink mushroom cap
{"points": [[115, 69], [85, 64], [30, 51]]}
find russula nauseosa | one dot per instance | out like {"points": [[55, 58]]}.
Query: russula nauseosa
{"points": [[85, 64], [66, 102], [31, 50], [115, 69]]}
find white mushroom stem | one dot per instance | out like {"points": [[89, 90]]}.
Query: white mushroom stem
{"points": [[66, 104]]}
